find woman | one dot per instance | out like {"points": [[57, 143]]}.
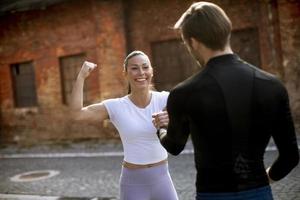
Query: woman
{"points": [[145, 172]]}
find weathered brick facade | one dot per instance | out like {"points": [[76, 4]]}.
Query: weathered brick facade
{"points": [[105, 30], [289, 22], [42, 36]]}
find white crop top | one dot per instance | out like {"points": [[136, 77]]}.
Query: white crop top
{"points": [[140, 142]]}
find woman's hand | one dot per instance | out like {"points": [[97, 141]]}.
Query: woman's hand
{"points": [[86, 69], [160, 119]]}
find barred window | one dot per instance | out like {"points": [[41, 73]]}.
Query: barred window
{"points": [[23, 80]]}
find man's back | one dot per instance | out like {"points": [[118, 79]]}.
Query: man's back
{"points": [[231, 109]]}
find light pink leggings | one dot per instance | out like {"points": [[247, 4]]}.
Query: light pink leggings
{"points": [[152, 183]]}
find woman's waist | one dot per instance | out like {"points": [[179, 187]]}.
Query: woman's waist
{"points": [[130, 165], [144, 174]]}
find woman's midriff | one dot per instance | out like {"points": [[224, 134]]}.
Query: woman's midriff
{"points": [[141, 166]]}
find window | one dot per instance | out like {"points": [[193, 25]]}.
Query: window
{"points": [[69, 69], [172, 62], [23, 78]]}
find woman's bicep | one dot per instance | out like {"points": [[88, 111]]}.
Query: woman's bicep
{"points": [[94, 112]]}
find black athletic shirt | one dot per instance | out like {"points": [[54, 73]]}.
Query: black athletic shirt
{"points": [[231, 109]]}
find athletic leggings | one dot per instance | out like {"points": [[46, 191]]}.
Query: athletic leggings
{"points": [[152, 183]]}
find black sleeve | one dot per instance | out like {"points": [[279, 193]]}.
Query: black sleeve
{"points": [[285, 139], [178, 128]]}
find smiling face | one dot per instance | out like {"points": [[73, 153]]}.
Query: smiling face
{"points": [[139, 72]]}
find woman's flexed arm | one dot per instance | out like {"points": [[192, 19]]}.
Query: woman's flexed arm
{"points": [[94, 112]]}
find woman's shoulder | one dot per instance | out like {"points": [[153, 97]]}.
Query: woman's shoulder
{"points": [[115, 101], [161, 94]]}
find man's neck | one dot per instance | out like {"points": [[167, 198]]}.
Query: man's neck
{"points": [[209, 54]]}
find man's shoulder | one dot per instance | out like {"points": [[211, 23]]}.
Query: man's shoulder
{"points": [[195, 79], [264, 75], [260, 73], [268, 80], [184, 85], [181, 88]]}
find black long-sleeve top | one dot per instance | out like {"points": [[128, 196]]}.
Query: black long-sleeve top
{"points": [[231, 109]]}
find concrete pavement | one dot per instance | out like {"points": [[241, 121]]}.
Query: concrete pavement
{"points": [[91, 171]]}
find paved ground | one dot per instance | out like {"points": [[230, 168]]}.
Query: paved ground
{"points": [[87, 171]]}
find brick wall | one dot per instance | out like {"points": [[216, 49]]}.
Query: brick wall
{"points": [[289, 21], [43, 36], [151, 21], [277, 23], [105, 31]]}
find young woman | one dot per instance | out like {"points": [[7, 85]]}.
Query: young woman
{"points": [[145, 174]]}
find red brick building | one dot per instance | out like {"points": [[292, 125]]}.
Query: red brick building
{"points": [[43, 44]]}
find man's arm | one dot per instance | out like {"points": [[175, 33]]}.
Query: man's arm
{"points": [[285, 139], [175, 138]]}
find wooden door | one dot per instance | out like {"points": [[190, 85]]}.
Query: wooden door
{"points": [[172, 63]]}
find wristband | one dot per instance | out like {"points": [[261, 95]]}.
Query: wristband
{"points": [[162, 132]]}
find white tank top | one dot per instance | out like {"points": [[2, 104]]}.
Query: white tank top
{"points": [[140, 142]]}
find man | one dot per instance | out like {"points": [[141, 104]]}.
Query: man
{"points": [[230, 109]]}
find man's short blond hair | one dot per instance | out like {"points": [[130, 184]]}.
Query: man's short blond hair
{"points": [[207, 23]]}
